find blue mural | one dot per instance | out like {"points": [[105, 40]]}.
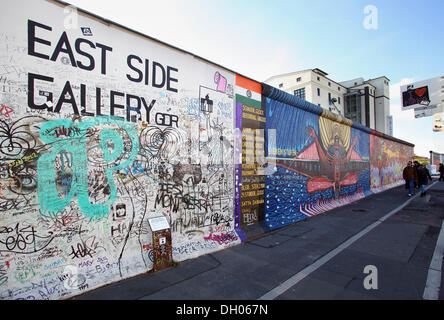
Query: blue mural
{"points": [[320, 164]]}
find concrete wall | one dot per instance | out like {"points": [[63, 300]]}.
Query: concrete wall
{"points": [[388, 159], [103, 132], [304, 183], [323, 161], [103, 129]]}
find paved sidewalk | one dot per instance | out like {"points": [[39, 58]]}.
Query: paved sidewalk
{"points": [[400, 247]]}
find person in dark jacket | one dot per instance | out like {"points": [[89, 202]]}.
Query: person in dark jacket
{"points": [[410, 175], [441, 172], [423, 178], [416, 166]]}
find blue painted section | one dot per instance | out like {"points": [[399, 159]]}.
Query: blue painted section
{"points": [[306, 183]]}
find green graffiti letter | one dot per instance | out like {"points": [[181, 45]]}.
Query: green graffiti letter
{"points": [[74, 141]]}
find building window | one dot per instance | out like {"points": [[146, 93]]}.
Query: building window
{"points": [[319, 79], [281, 85], [329, 97], [352, 107], [329, 84], [339, 88], [300, 93], [298, 79], [319, 92], [339, 100]]}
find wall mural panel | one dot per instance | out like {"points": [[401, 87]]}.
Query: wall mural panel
{"points": [[97, 135], [387, 161], [250, 169], [320, 164]]}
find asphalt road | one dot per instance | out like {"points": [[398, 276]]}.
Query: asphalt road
{"points": [[378, 248]]}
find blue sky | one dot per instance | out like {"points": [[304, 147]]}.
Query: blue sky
{"points": [[262, 38]]}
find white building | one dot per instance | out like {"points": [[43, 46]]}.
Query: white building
{"points": [[366, 102]]}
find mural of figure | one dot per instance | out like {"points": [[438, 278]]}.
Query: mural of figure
{"points": [[335, 153]]}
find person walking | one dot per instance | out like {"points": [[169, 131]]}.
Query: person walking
{"points": [[441, 172], [410, 175], [423, 178], [416, 166]]}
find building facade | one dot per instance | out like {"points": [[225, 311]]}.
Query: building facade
{"points": [[364, 101]]}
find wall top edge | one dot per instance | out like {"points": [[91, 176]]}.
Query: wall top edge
{"points": [[266, 89], [282, 96]]}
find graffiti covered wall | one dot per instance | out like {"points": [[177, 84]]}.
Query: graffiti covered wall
{"points": [[103, 129], [100, 130]]}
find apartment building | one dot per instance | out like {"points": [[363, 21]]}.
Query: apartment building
{"points": [[363, 101]]}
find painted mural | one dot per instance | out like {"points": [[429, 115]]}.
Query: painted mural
{"points": [[104, 131], [97, 137], [320, 164], [387, 161], [250, 171]]}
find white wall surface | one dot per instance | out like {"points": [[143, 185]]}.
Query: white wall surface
{"points": [[78, 185]]}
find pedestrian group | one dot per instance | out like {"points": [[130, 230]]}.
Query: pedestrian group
{"points": [[417, 175]]}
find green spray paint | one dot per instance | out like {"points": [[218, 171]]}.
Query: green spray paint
{"points": [[76, 145]]}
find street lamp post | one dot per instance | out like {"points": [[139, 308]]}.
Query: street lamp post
{"points": [[332, 102]]}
